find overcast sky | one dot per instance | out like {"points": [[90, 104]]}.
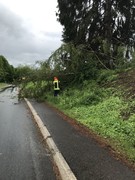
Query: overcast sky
{"points": [[29, 30]]}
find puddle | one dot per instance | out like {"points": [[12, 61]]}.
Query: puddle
{"points": [[9, 94]]}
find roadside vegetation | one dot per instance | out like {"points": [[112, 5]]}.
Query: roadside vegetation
{"points": [[103, 105], [103, 110], [7, 71], [2, 85]]}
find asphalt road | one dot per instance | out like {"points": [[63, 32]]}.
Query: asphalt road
{"points": [[86, 157], [23, 155]]}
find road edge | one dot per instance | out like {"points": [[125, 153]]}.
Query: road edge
{"points": [[64, 169]]}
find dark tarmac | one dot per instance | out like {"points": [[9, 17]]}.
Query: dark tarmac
{"points": [[23, 155], [86, 157]]}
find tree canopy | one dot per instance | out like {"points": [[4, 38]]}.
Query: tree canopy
{"points": [[6, 70], [101, 25]]}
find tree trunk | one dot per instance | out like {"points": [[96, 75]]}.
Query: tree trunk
{"points": [[108, 33]]}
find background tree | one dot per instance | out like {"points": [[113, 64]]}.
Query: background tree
{"points": [[6, 70], [101, 25]]}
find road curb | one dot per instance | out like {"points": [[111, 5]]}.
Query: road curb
{"points": [[64, 169]]}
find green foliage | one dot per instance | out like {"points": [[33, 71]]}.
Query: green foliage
{"points": [[6, 70], [73, 61], [35, 90], [2, 85], [25, 73], [102, 27], [90, 102], [100, 109], [107, 76]]}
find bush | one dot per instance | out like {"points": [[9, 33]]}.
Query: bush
{"points": [[107, 76]]}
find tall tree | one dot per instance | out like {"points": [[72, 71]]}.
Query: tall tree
{"points": [[100, 25], [6, 70]]}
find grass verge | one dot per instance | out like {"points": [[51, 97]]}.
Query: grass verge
{"points": [[104, 111], [2, 85]]}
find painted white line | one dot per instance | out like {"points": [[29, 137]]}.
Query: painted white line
{"points": [[64, 169]]}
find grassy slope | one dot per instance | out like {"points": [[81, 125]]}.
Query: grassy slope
{"points": [[106, 110], [2, 85]]}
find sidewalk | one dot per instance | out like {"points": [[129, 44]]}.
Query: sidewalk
{"points": [[86, 158]]}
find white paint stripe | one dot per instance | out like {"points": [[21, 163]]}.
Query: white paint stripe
{"points": [[64, 169]]}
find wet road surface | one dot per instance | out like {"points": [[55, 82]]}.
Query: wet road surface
{"points": [[86, 158], [23, 156]]}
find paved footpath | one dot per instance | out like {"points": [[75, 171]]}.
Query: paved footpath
{"points": [[86, 158]]}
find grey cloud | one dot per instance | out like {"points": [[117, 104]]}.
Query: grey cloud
{"points": [[10, 24], [52, 34], [19, 45]]}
